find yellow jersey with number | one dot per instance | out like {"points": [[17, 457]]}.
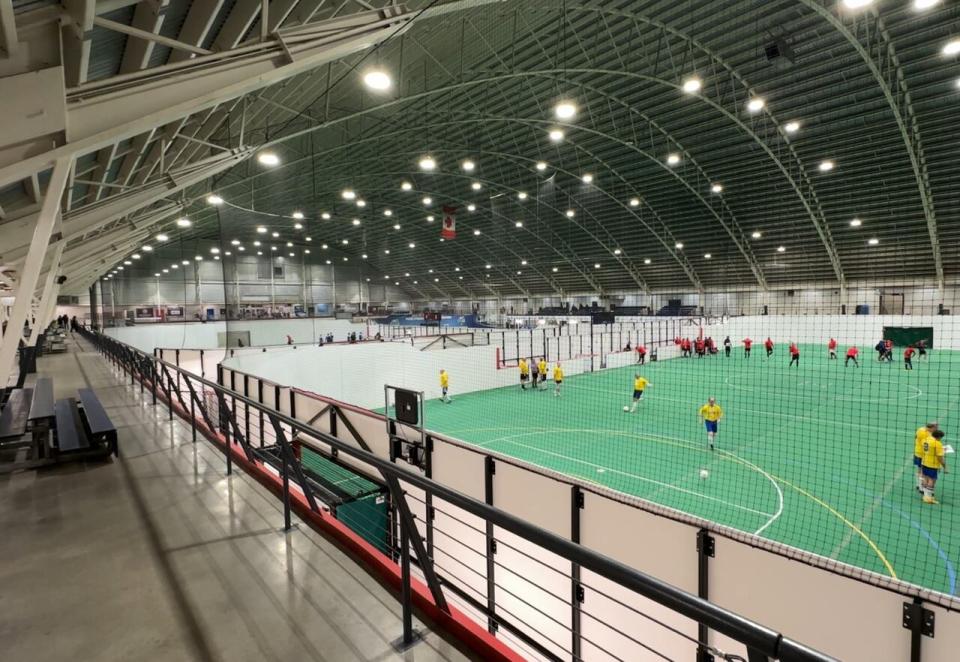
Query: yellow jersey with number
{"points": [[639, 384], [444, 379], [558, 374], [932, 452], [542, 367], [524, 368], [711, 412], [922, 433]]}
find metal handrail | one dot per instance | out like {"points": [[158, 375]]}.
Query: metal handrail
{"points": [[762, 643]]}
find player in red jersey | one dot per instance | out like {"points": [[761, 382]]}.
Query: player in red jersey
{"points": [[908, 357], [832, 348], [700, 346], [641, 354], [794, 354], [768, 345], [747, 344], [851, 356]]}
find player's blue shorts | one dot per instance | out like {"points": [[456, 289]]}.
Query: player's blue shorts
{"points": [[711, 426], [929, 472], [916, 461], [637, 395]]}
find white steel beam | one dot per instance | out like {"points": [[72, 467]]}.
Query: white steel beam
{"points": [[149, 36], [196, 26], [101, 113], [76, 224], [75, 36], [238, 22], [148, 17], [8, 29], [30, 273], [50, 288]]}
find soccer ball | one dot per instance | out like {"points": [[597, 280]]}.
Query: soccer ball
{"points": [[626, 409], [704, 474]]}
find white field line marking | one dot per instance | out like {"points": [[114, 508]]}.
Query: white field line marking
{"points": [[512, 439], [868, 513]]}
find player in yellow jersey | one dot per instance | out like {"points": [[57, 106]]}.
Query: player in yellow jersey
{"points": [[639, 384], [711, 414], [922, 433], [542, 366], [557, 379], [524, 373], [933, 460], [444, 386]]}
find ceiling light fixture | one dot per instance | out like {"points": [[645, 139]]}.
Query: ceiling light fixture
{"points": [[565, 110], [679, 245], [427, 163], [673, 159], [755, 105], [541, 166], [756, 235], [377, 80], [826, 166], [214, 199], [348, 194], [556, 135], [298, 215], [268, 158], [856, 223], [791, 127], [184, 222], [717, 188], [781, 249], [468, 166], [406, 186], [692, 85], [634, 202]]}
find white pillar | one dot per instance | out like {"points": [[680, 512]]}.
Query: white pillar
{"points": [[30, 273], [49, 297]]}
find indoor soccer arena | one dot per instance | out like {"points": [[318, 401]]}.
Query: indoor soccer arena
{"points": [[448, 330]]}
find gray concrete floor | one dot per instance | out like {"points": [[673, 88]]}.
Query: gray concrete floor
{"points": [[161, 556]]}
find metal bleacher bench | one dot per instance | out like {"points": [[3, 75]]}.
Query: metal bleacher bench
{"points": [[83, 427], [41, 416], [13, 419]]}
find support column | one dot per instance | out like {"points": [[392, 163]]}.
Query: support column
{"points": [[30, 272], [48, 300], [94, 305]]}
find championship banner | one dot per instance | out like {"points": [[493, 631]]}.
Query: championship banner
{"points": [[449, 229]]}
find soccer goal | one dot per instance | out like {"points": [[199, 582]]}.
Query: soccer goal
{"points": [[909, 335], [444, 341]]}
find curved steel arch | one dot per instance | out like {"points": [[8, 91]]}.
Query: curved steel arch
{"points": [[554, 236], [911, 142], [738, 237], [819, 224]]}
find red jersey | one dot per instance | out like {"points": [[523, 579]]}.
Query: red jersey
{"points": [[685, 343], [853, 351], [888, 344], [768, 344], [908, 352], [699, 345], [747, 342], [794, 350], [832, 344], [641, 350]]}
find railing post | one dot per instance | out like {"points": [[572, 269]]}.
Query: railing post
{"points": [[577, 593], [705, 551], [286, 491], [193, 420], [490, 469]]}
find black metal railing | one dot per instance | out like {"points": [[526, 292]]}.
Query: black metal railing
{"points": [[225, 416]]}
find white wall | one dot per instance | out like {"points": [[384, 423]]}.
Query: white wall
{"points": [[357, 373], [195, 335]]}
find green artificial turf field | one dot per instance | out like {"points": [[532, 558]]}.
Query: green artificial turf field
{"points": [[818, 457]]}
